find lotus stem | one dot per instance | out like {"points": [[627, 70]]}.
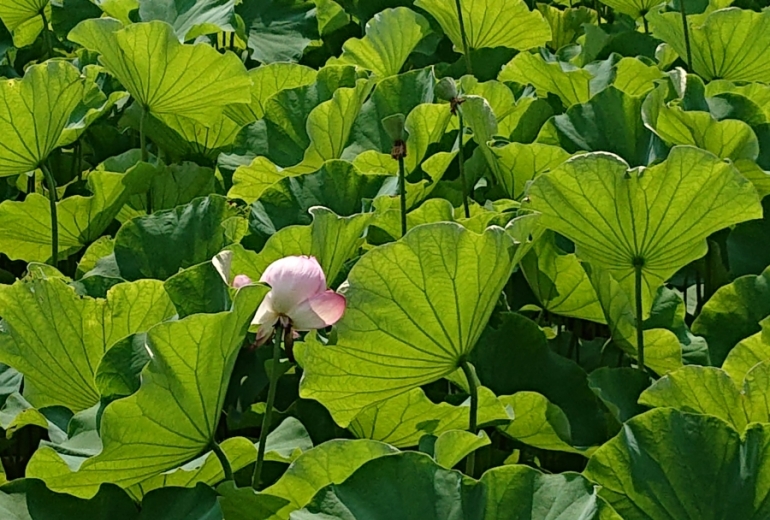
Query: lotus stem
{"points": [[461, 158], [686, 35], [267, 418], [222, 460], [31, 183], [646, 23], [402, 190], [466, 50], [639, 315], [51, 183], [145, 153], [470, 463]]}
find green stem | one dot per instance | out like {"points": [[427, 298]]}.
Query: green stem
{"points": [[646, 24], [470, 463], [51, 182], [266, 419], [461, 158], [31, 183], [402, 190], [46, 35], [466, 50], [639, 314], [222, 460], [145, 153], [686, 35]]}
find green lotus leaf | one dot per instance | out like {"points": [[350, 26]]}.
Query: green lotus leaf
{"points": [[415, 487], [559, 281], [454, 445], [521, 163], [330, 463], [634, 8], [726, 44], [118, 374], [669, 464], [758, 93], [18, 413], [402, 420], [610, 122], [748, 353], [734, 313], [390, 38], [268, 80], [35, 111], [570, 83], [279, 30], [497, 94], [186, 236], [198, 289], [538, 422], [331, 239], [514, 356], [619, 389], [190, 19], [25, 227], [664, 224], [634, 77], [490, 24], [401, 331], [23, 19], [728, 139], [171, 420], [566, 25], [712, 391], [69, 334], [193, 81]]}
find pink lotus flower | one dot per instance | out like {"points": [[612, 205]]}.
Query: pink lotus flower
{"points": [[298, 299]]}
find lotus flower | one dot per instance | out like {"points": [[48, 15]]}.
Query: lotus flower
{"points": [[298, 300]]}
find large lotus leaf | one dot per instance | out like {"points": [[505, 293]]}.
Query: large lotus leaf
{"points": [[23, 19], [413, 486], [489, 23], [734, 313], [748, 353], [57, 338], [190, 19], [279, 30], [747, 251], [669, 211], [619, 389], [728, 139], [330, 463], [33, 113], [402, 420], [667, 464], [415, 310], [713, 391], [559, 281], [25, 227], [338, 185], [18, 413], [726, 44], [634, 8], [268, 80], [390, 38], [521, 163], [570, 83], [663, 351], [609, 122], [515, 357], [634, 77], [453, 446], [757, 93], [158, 245], [332, 239], [566, 25], [201, 140], [163, 75], [171, 420]]}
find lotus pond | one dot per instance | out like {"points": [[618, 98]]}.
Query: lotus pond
{"points": [[385, 260]]}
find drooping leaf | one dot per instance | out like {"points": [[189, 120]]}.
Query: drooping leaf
{"points": [[453, 446], [410, 320], [23, 19], [171, 420], [662, 226], [190, 19], [634, 8], [734, 313], [279, 30], [748, 353], [163, 75], [57, 338], [619, 389], [390, 38], [490, 24], [669, 464], [726, 44], [33, 113], [570, 83]]}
